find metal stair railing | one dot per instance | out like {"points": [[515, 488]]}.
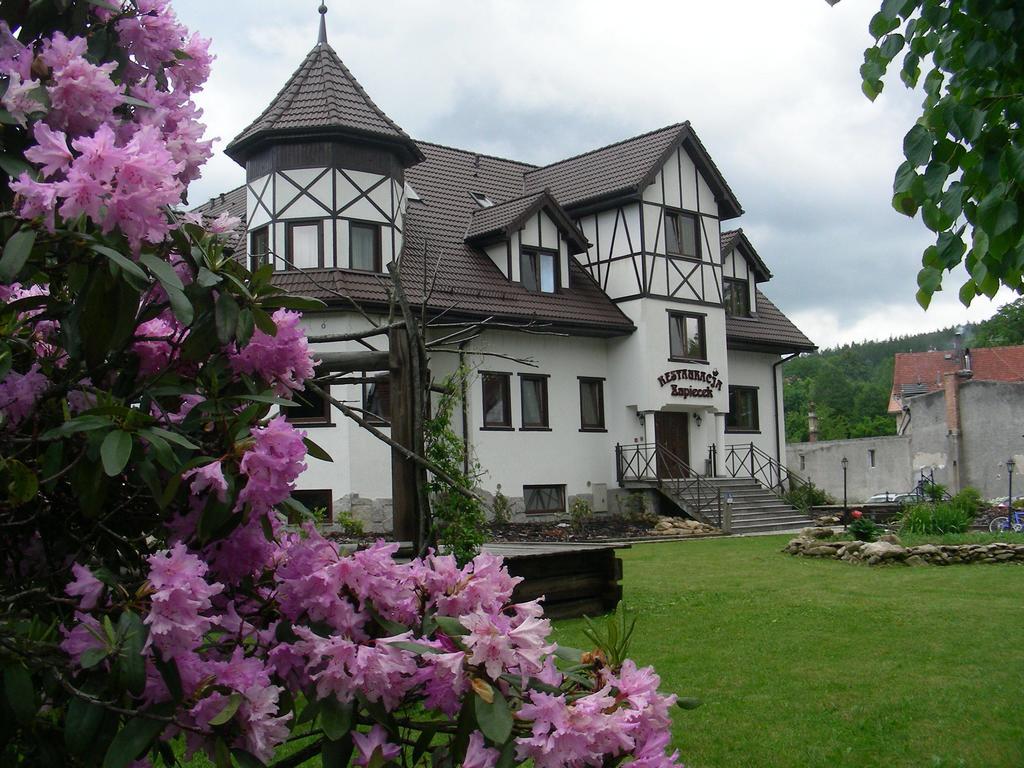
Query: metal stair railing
{"points": [[747, 460], [650, 462]]}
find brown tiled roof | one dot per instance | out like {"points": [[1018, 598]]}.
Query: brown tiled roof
{"points": [[233, 204], [504, 218], [466, 283], [922, 372], [735, 237], [322, 97], [769, 329], [626, 167]]}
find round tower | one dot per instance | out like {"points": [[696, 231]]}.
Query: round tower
{"points": [[325, 172]]}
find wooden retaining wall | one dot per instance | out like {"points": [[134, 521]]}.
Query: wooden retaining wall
{"points": [[575, 580]]}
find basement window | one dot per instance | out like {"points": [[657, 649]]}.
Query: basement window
{"points": [[544, 499], [871, 458]]}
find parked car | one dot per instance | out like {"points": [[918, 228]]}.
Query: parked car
{"points": [[909, 498], [1000, 501], [883, 497]]}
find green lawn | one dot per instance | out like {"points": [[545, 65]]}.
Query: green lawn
{"points": [[805, 662]]}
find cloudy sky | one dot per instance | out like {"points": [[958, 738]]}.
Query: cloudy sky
{"points": [[772, 88]]}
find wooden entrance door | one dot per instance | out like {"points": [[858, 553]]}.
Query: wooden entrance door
{"points": [[672, 432]]}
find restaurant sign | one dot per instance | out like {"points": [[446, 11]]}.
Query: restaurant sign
{"points": [[691, 379]]}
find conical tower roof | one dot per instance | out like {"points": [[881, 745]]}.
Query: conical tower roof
{"points": [[323, 100]]}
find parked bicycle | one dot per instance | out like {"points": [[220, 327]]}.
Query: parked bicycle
{"points": [[1012, 522]]}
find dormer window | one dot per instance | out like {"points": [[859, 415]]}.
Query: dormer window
{"points": [[481, 199], [538, 270], [736, 297], [681, 235]]}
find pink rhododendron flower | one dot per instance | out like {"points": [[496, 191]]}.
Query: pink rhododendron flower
{"points": [[445, 681], [19, 99], [478, 755], [284, 361], [272, 464], [50, 151], [180, 598], [497, 645], [207, 478], [85, 586], [155, 348], [36, 199], [15, 58], [374, 742], [99, 157], [19, 393], [223, 223], [85, 635], [83, 95]]}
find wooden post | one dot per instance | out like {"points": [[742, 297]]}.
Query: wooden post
{"points": [[405, 507]]}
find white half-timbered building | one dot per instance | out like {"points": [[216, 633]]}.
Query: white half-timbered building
{"points": [[659, 350]]}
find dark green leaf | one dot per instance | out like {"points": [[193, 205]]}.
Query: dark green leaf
{"points": [[929, 279], [245, 328], [494, 719], [131, 664], [917, 145], [115, 452], [316, 451], [169, 672], [408, 645], [16, 253], [226, 317], [892, 45], [93, 656], [1006, 217], [122, 261], [688, 703], [881, 24], [174, 437], [162, 270], [81, 725], [246, 759], [335, 718], [180, 305], [14, 166], [21, 695], [6, 358], [264, 321], [569, 654], [336, 754], [135, 738], [228, 711], [22, 483], [451, 626]]}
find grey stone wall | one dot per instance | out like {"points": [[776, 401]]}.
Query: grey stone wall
{"points": [[992, 417], [992, 431], [822, 465], [376, 514]]}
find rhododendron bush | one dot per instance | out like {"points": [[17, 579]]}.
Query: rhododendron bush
{"points": [[155, 602]]}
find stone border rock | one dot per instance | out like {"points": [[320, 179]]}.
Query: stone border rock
{"points": [[887, 552]]}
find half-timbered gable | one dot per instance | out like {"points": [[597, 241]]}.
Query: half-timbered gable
{"points": [[742, 270], [529, 238]]}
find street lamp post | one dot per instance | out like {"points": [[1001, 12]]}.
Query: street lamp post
{"points": [[1010, 464], [846, 463]]}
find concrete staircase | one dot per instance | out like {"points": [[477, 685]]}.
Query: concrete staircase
{"points": [[755, 509]]}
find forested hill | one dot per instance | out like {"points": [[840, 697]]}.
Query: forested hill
{"points": [[850, 385]]}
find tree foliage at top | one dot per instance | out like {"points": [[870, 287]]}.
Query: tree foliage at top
{"points": [[850, 386], [964, 168], [1004, 328]]}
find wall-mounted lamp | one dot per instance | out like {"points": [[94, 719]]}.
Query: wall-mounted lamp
{"points": [[640, 416], [697, 419]]}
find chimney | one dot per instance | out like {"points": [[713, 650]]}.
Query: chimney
{"points": [[951, 388], [812, 424]]}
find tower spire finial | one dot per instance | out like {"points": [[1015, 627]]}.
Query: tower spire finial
{"points": [[323, 24]]}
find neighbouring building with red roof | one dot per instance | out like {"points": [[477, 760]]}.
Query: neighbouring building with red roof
{"points": [[960, 419], [621, 311]]}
